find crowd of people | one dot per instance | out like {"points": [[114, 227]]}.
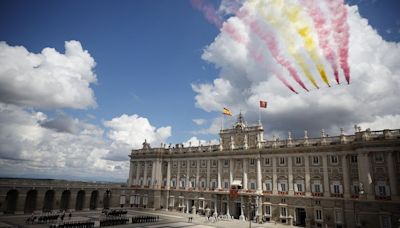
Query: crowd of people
{"points": [[46, 217], [113, 221], [144, 219], [74, 224], [115, 212]]}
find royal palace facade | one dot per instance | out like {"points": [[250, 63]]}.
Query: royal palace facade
{"points": [[339, 181]]}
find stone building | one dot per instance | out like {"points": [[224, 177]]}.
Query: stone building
{"points": [[339, 181], [19, 196]]}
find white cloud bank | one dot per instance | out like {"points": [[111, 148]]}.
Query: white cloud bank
{"points": [[34, 145], [370, 99], [48, 79]]}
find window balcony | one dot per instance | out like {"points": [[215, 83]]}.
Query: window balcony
{"points": [[267, 192], [383, 197], [299, 193], [318, 194], [282, 193], [337, 195], [146, 186], [355, 196]]}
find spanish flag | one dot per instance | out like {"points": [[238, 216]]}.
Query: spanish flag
{"points": [[227, 112], [263, 104]]}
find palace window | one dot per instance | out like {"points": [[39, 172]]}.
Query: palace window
{"points": [[268, 185], [267, 210], [355, 189], [226, 163], [283, 211], [315, 160], [378, 157], [203, 184], [298, 160], [203, 163], [281, 161], [267, 161], [175, 164], [214, 163], [318, 215], [226, 185], [193, 164], [173, 183], [334, 159], [353, 158], [299, 186], [282, 186], [382, 189], [253, 186], [317, 186], [252, 161], [183, 163]]}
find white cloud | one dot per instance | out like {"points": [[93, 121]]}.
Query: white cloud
{"points": [[48, 79], [31, 150], [133, 130], [371, 96], [199, 121], [194, 141]]}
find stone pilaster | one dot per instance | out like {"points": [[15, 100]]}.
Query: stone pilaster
{"points": [[392, 176], [326, 175], [259, 183], [274, 177], [245, 161], [346, 178], [307, 175], [290, 175]]}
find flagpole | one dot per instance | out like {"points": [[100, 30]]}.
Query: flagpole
{"points": [[259, 115]]}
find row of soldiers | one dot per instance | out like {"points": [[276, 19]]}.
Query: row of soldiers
{"points": [[116, 212], [114, 221], [76, 224], [143, 219], [44, 218]]}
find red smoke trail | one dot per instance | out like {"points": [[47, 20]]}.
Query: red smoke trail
{"points": [[235, 35], [208, 10], [323, 34], [341, 34]]}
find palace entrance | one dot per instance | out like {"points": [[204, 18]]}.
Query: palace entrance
{"points": [[300, 217]]}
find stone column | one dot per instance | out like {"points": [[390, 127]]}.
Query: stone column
{"points": [[168, 176], [307, 175], [241, 217], [274, 177], [178, 175], [187, 176], [364, 172], [231, 163], [290, 175], [197, 174], [227, 209], [259, 182], [130, 178], [137, 172], [326, 175], [219, 173], [208, 174], [346, 179], [215, 206], [153, 174], [187, 206], [392, 176], [245, 173], [145, 174]]}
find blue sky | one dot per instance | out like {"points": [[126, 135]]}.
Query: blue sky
{"points": [[148, 54]]}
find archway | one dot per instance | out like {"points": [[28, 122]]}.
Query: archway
{"points": [[93, 200], [80, 200], [11, 201], [30, 201], [48, 203], [65, 198], [107, 199]]}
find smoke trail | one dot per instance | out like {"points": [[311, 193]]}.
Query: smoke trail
{"points": [[209, 11], [292, 47], [292, 12], [341, 34], [270, 40], [235, 35], [323, 32]]}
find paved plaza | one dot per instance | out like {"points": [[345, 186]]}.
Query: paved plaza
{"points": [[167, 220]]}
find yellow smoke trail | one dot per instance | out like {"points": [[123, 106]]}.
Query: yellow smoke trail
{"points": [[291, 45], [304, 30]]}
